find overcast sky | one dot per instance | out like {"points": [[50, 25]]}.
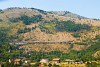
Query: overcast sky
{"points": [[87, 8]]}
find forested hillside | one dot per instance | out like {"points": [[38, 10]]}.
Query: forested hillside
{"points": [[79, 37]]}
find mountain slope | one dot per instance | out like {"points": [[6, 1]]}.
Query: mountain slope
{"points": [[47, 16], [47, 23], [66, 14], [34, 25]]}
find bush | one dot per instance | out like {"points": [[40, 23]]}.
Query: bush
{"points": [[48, 27], [54, 65], [24, 30], [71, 26], [76, 35], [13, 19], [49, 65], [26, 19], [1, 11], [36, 64], [1, 20]]}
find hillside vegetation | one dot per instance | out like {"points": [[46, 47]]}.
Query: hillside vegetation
{"points": [[81, 34]]}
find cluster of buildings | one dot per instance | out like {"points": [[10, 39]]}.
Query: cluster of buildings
{"points": [[56, 61], [66, 63]]}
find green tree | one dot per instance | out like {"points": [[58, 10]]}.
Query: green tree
{"points": [[4, 37], [54, 65], [36, 64], [49, 65]]}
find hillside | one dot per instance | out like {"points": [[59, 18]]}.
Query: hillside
{"points": [[35, 25], [66, 14]]}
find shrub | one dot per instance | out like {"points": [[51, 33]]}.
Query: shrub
{"points": [[71, 26], [26, 19]]}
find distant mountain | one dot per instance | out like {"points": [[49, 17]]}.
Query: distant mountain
{"points": [[46, 15], [66, 13], [31, 24]]}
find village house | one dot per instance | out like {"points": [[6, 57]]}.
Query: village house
{"points": [[44, 61], [56, 60], [10, 60], [27, 61], [70, 61], [78, 61], [17, 61]]}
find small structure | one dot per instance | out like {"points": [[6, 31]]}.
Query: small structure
{"points": [[27, 61], [74, 61], [44, 60], [69, 60], [17, 61], [10, 61], [56, 60], [78, 61]]}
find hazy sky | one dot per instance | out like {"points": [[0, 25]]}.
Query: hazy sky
{"points": [[87, 8]]}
